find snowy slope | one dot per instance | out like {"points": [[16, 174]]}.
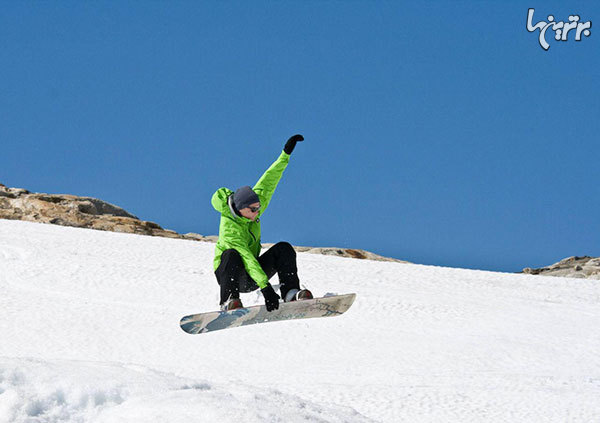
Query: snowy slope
{"points": [[89, 333]]}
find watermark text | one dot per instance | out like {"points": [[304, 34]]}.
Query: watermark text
{"points": [[561, 29]]}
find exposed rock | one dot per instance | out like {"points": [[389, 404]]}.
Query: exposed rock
{"points": [[71, 210], [87, 212], [211, 238], [343, 252], [197, 237], [585, 267]]}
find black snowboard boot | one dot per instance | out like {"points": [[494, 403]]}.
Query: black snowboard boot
{"points": [[298, 295], [232, 304]]}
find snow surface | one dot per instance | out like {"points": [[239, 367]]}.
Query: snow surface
{"points": [[89, 332]]}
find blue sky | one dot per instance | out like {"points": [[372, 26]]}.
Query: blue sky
{"points": [[436, 132]]}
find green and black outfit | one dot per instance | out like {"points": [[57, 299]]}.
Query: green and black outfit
{"points": [[238, 265]]}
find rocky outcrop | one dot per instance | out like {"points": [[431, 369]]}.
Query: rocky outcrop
{"points": [[91, 213], [343, 252], [571, 267], [70, 210]]}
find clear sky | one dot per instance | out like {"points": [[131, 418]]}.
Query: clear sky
{"points": [[436, 132]]}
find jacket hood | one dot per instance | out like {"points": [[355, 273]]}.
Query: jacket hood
{"points": [[222, 202], [219, 200]]}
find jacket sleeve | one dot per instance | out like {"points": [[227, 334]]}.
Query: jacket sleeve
{"points": [[265, 187], [231, 237]]}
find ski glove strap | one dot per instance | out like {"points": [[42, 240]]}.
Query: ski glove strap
{"points": [[291, 143], [271, 298]]}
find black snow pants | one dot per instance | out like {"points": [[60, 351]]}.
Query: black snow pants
{"points": [[233, 277]]}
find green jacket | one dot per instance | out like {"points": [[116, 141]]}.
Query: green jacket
{"points": [[243, 234]]}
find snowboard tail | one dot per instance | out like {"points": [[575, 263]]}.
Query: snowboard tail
{"points": [[305, 309]]}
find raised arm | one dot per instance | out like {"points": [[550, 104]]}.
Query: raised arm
{"points": [[266, 185]]}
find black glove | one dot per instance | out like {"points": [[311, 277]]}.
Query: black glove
{"points": [[271, 298], [291, 143]]}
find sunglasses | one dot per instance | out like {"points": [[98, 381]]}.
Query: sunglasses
{"points": [[254, 209]]}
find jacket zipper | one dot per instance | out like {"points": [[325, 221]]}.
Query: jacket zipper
{"points": [[251, 234]]}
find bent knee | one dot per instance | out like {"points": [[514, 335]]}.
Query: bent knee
{"points": [[285, 246], [231, 253]]}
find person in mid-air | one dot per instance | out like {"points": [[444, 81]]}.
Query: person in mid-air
{"points": [[238, 265]]}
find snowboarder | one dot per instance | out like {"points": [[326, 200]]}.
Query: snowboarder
{"points": [[237, 264]]}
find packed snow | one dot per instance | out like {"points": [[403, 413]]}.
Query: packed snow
{"points": [[90, 333]]}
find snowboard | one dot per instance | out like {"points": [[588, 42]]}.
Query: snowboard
{"points": [[305, 309]]}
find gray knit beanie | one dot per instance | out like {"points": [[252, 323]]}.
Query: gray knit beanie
{"points": [[243, 197]]}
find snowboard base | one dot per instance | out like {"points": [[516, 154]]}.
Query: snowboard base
{"points": [[305, 309]]}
